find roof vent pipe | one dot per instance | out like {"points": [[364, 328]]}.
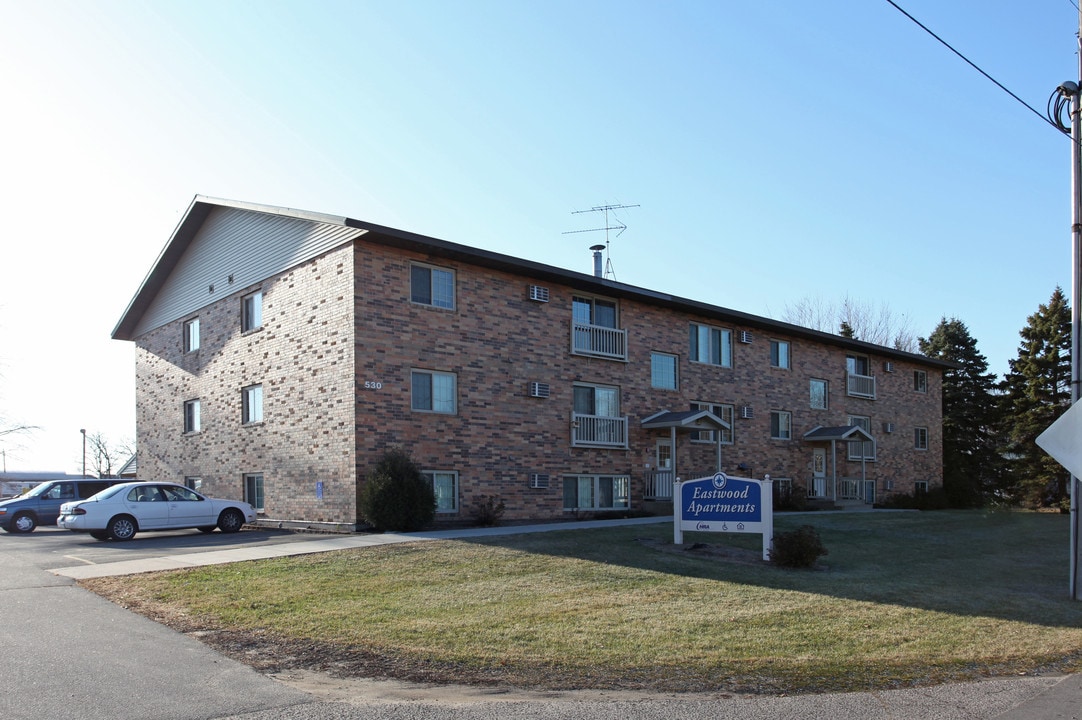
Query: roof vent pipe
{"points": [[597, 259]]}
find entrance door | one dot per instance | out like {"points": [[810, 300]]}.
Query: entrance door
{"points": [[663, 456], [819, 472]]}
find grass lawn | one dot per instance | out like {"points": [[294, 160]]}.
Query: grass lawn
{"points": [[901, 599]]}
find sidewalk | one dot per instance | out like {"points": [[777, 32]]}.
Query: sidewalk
{"points": [[1026, 698]]}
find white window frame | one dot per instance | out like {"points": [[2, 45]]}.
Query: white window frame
{"points": [[920, 487], [251, 404], [442, 404], [703, 346], [191, 335], [920, 381], [781, 425], [826, 394], [664, 378], [444, 486], [193, 482], [589, 304], [432, 286], [251, 311], [726, 412], [587, 491], [864, 423], [920, 438], [193, 421], [254, 491], [780, 354]]}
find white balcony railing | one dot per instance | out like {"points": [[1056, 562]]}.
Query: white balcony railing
{"points": [[860, 385], [598, 341], [658, 485], [598, 431]]}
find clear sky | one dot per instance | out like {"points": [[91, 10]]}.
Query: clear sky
{"points": [[778, 152]]}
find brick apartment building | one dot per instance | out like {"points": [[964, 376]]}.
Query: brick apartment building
{"points": [[280, 352]]}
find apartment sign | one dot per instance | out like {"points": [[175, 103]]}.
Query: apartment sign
{"points": [[724, 504]]}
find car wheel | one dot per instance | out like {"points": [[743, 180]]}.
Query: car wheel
{"points": [[99, 534], [231, 520], [122, 527], [23, 523], [207, 528]]}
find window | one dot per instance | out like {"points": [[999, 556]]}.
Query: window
{"points": [[445, 488], [252, 404], [780, 425], [920, 381], [596, 492], [192, 482], [663, 371], [818, 391], [779, 354], [593, 311], [920, 438], [725, 412], [857, 365], [433, 391], [595, 417], [191, 335], [432, 286], [192, 422], [711, 345], [251, 313], [253, 490], [862, 450]]}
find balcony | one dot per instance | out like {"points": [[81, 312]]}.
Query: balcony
{"points": [[598, 431], [598, 341], [862, 386]]}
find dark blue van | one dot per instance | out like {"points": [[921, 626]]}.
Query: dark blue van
{"points": [[41, 506]]}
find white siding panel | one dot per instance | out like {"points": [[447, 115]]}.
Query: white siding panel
{"points": [[248, 245]]}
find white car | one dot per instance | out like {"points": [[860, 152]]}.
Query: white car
{"points": [[122, 510]]}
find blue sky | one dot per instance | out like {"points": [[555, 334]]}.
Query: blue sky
{"points": [[778, 151]]}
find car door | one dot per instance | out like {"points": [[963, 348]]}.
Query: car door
{"points": [[148, 505], [49, 502], [188, 508]]}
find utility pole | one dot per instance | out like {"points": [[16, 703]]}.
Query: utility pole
{"points": [[1070, 91]]}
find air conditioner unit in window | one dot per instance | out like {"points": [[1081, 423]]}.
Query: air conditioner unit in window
{"points": [[539, 481], [888, 366], [890, 484], [539, 294], [746, 412], [539, 390], [888, 427], [745, 337]]}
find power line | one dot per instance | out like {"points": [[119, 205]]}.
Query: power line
{"points": [[974, 65]]}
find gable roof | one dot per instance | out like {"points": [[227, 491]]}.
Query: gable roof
{"points": [[842, 433], [202, 206]]}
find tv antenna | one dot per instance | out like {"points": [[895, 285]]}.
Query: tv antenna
{"points": [[610, 224]]}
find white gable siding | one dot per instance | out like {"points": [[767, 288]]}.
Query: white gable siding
{"points": [[250, 246]]}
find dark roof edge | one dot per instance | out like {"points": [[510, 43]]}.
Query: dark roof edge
{"points": [[201, 206]]}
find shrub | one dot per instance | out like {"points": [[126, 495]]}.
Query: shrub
{"points": [[934, 499], [789, 497], [798, 548], [396, 495], [488, 511]]}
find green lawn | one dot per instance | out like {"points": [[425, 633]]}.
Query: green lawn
{"points": [[901, 599]]}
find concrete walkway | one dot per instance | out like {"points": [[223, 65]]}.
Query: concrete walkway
{"points": [[1030, 698]]}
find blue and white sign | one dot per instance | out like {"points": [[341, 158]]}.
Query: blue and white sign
{"points": [[720, 503]]}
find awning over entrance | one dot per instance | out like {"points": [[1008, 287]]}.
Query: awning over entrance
{"points": [[842, 433], [686, 420]]}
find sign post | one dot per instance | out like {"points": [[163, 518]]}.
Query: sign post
{"points": [[720, 503]]}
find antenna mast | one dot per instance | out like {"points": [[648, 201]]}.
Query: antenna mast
{"points": [[614, 224]]}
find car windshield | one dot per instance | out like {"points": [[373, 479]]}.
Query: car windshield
{"points": [[40, 490], [106, 493]]}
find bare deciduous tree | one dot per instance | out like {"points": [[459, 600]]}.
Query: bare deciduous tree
{"points": [[878, 325], [104, 454]]}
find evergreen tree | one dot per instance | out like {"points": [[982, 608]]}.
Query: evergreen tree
{"points": [[972, 463], [846, 330], [1036, 391]]}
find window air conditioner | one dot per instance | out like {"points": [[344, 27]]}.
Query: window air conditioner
{"points": [[746, 412], [539, 294], [745, 337], [539, 390], [539, 481]]}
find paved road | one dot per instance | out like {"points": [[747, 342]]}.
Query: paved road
{"points": [[70, 654]]}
